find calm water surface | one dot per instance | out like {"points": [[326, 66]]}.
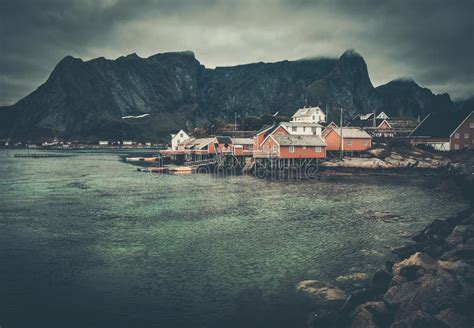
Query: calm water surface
{"points": [[87, 241]]}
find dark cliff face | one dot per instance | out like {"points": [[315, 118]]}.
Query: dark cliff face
{"points": [[406, 98], [87, 100]]}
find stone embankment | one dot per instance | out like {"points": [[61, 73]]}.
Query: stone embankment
{"points": [[431, 285], [380, 158]]}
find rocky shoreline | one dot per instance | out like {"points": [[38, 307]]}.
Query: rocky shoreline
{"points": [[430, 285]]}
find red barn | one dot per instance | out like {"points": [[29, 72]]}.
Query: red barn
{"points": [[353, 139]]}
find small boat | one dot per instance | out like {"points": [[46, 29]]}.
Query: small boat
{"points": [[161, 169], [181, 170], [151, 159], [134, 159]]}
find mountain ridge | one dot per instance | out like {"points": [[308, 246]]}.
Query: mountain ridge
{"points": [[87, 99]]}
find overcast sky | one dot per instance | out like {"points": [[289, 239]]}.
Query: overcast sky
{"points": [[429, 41]]}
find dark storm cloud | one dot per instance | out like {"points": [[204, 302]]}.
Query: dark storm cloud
{"points": [[429, 41]]}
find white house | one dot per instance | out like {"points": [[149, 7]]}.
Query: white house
{"points": [[383, 116], [177, 138], [103, 143], [303, 128], [309, 115]]}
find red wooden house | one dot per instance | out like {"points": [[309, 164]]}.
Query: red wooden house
{"points": [[242, 146], [285, 146], [353, 139], [445, 131]]}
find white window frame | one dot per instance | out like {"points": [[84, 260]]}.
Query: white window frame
{"points": [[349, 142], [456, 146], [317, 149], [291, 149], [265, 148], [294, 129], [275, 148], [466, 135], [471, 125], [456, 136]]}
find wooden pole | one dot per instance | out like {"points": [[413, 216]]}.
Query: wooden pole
{"points": [[342, 139]]}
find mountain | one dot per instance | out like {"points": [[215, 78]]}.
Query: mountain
{"points": [[87, 100], [406, 98]]}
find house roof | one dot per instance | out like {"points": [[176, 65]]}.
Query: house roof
{"points": [[301, 124], [264, 128], [440, 124], [224, 140], [201, 142], [174, 132], [294, 140], [304, 112], [366, 123], [348, 132], [242, 141]]}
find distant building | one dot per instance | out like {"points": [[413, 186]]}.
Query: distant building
{"points": [[103, 143], [127, 143], [178, 137], [445, 131], [353, 139], [309, 115]]}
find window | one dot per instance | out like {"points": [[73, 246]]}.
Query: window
{"points": [[471, 125], [456, 146], [293, 128], [349, 142], [304, 147], [275, 148], [317, 149], [466, 135], [313, 129], [291, 149], [366, 142], [456, 136], [314, 117], [265, 148], [178, 141], [181, 135], [304, 128]]}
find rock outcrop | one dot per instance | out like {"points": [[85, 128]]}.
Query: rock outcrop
{"points": [[432, 284]]}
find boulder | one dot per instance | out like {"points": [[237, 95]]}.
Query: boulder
{"points": [[320, 291], [419, 319], [354, 280], [381, 279], [416, 261], [457, 235], [453, 319], [436, 291], [406, 250], [368, 314], [461, 252], [401, 293]]}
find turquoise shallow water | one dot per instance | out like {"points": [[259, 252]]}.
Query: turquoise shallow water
{"points": [[87, 241]]}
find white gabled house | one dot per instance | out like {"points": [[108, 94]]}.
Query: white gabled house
{"points": [[309, 115], [178, 137], [302, 128]]}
